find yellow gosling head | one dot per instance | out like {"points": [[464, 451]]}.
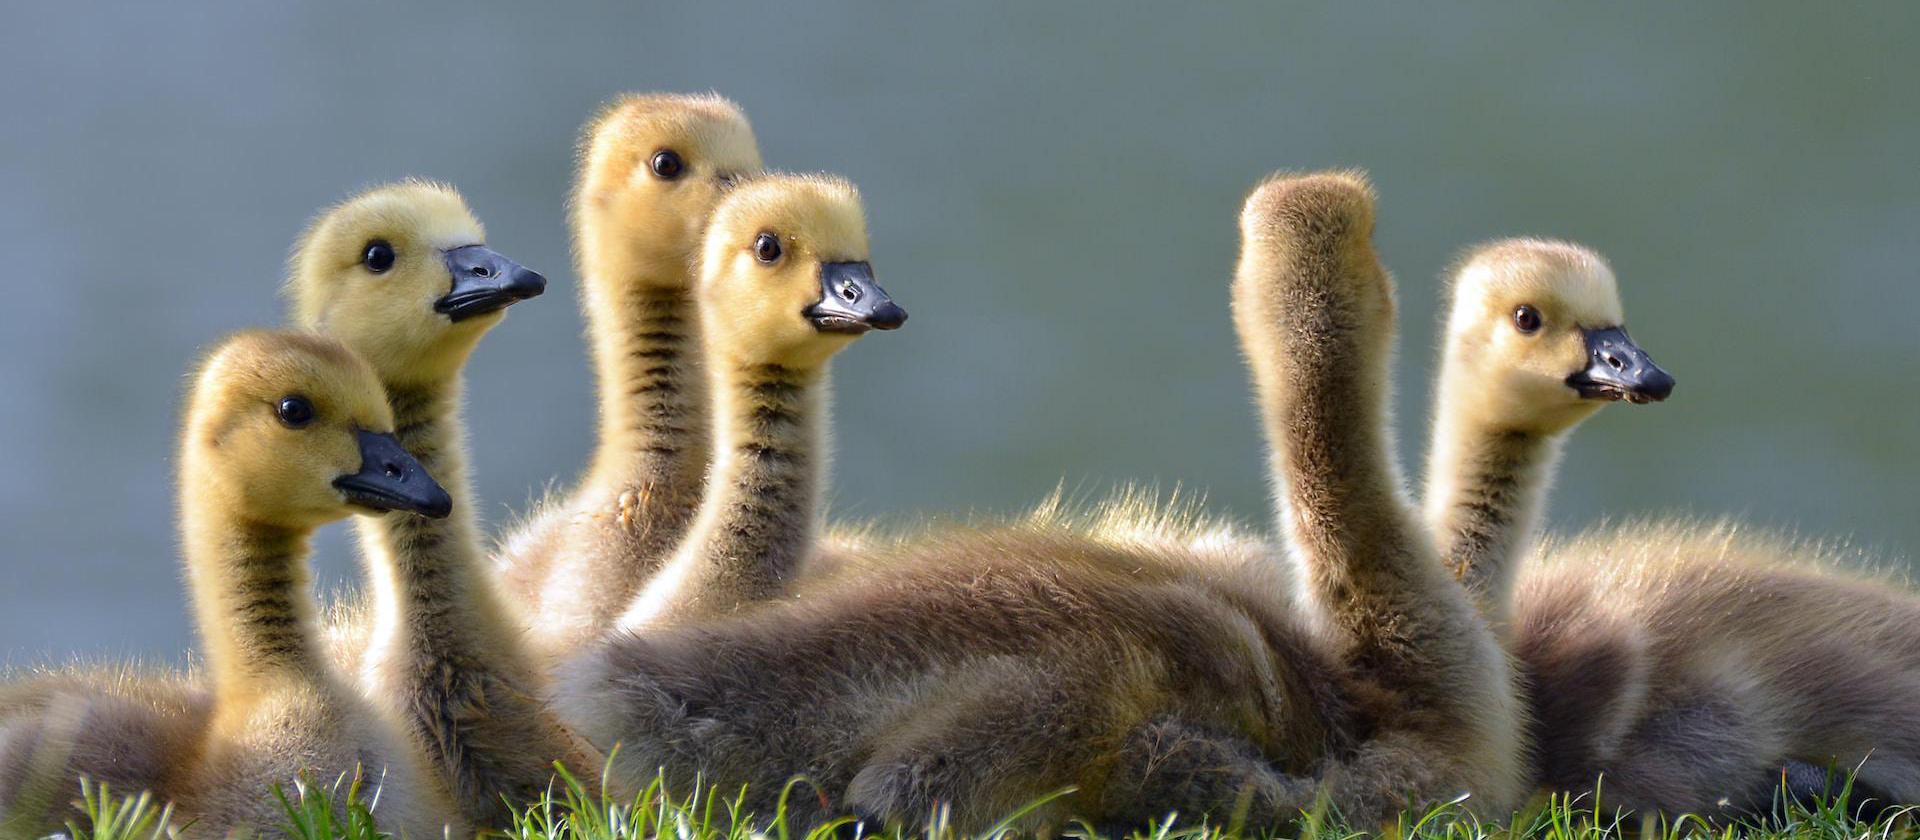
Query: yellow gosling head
{"points": [[1536, 336], [651, 168], [400, 274], [785, 274], [292, 430]]}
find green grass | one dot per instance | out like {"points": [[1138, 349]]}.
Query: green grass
{"points": [[120, 818], [569, 812]]}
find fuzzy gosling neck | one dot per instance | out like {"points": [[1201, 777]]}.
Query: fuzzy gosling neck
{"points": [[652, 389], [1319, 354], [419, 566], [757, 522], [443, 653], [1486, 491], [250, 586], [1325, 413], [1344, 506]]}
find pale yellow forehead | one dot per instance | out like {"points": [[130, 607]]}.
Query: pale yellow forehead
{"points": [[259, 367], [1573, 282], [817, 215], [419, 212], [709, 127]]}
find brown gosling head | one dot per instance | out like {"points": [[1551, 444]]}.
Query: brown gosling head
{"points": [[1308, 275], [1536, 332], [785, 274], [401, 274], [292, 430], [651, 168]]}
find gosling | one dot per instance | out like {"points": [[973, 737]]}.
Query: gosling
{"points": [[651, 169], [988, 669], [284, 433], [401, 274]]}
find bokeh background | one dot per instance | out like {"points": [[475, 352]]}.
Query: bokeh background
{"points": [[1052, 189]]}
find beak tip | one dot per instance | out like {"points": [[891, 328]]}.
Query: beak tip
{"points": [[1658, 388], [888, 317], [527, 284]]}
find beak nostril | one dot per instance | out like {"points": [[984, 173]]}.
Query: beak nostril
{"points": [[393, 470], [481, 271], [1614, 362], [849, 293]]}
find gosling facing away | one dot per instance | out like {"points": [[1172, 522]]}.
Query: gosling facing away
{"points": [[1314, 311]]}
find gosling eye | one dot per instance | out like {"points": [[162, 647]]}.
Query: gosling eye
{"points": [[378, 256], [667, 165], [295, 411], [766, 248], [1526, 319]]}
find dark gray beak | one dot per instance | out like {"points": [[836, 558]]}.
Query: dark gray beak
{"points": [[1617, 369], [851, 302], [484, 281], [390, 479]]}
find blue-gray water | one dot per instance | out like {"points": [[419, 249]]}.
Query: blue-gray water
{"points": [[1052, 189]]}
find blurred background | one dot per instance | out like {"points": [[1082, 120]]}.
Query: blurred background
{"points": [[1053, 190]]}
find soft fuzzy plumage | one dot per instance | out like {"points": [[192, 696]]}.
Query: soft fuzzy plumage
{"points": [[1686, 662], [578, 560], [252, 491], [1503, 406], [767, 366], [1314, 310], [1689, 661], [128, 726], [1152, 662], [441, 651]]}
